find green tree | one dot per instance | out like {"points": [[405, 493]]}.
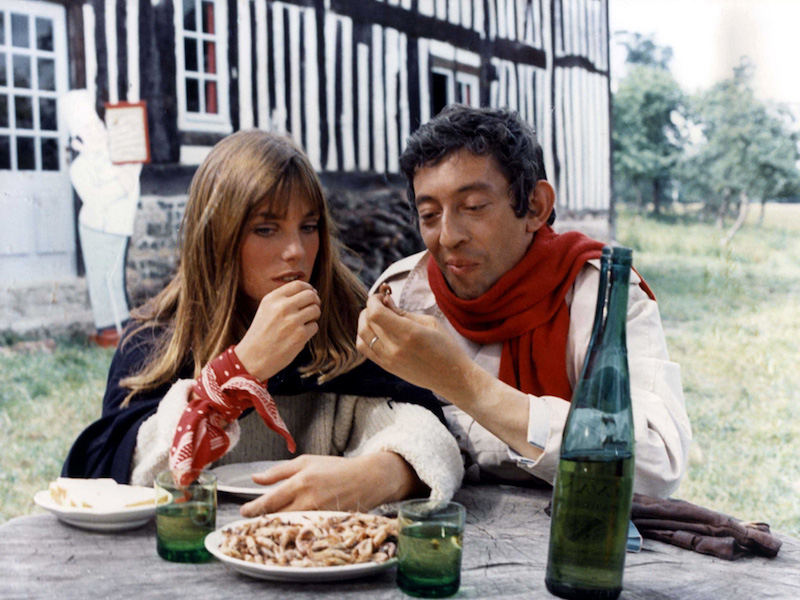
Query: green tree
{"points": [[747, 150], [646, 140], [642, 50]]}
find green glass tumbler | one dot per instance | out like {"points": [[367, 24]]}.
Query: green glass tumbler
{"points": [[183, 522], [429, 547]]}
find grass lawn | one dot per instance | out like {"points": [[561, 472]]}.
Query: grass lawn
{"points": [[47, 397], [732, 318], [732, 321]]}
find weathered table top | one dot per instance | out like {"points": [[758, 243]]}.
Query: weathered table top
{"points": [[505, 554]]}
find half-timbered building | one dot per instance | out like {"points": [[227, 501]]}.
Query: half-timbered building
{"points": [[348, 79]]}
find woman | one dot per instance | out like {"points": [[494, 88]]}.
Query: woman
{"points": [[260, 280]]}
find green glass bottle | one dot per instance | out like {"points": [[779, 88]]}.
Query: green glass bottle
{"points": [[594, 482]]}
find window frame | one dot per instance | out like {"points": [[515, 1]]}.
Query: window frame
{"points": [[34, 93], [220, 121], [460, 67]]}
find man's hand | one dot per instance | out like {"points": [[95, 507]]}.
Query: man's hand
{"points": [[412, 346], [418, 349], [311, 482], [285, 320]]}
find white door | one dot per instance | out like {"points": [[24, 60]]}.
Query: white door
{"points": [[37, 220]]}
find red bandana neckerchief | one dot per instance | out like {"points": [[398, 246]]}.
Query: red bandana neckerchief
{"points": [[525, 309], [221, 393]]}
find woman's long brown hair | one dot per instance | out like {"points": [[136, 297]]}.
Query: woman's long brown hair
{"points": [[199, 313]]}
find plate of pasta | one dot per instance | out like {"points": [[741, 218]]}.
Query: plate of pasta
{"points": [[307, 546]]}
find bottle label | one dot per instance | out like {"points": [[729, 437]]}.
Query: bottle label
{"points": [[591, 507]]}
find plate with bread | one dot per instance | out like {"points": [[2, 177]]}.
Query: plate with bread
{"points": [[99, 504]]}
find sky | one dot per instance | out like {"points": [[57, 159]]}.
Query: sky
{"points": [[709, 36]]}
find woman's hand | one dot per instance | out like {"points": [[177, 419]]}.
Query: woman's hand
{"points": [[312, 482], [284, 322]]}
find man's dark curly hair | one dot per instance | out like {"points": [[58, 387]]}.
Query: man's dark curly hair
{"points": [[499, 133]]}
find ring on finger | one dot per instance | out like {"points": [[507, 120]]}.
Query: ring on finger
{"points": [[372, 342]]}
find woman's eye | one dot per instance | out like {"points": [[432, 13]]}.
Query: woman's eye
{"points": [[264, 230], [475, 207], [310, 227]]}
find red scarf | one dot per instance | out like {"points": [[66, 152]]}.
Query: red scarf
{"points": [[222, 392], [525, 309]]}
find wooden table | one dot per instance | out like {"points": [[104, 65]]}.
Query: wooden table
{"points": [[505, 553]]}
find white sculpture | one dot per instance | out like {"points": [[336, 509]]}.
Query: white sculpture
{"points": [[110, 195]]}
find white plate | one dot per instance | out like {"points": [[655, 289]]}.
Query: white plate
{"points": [[96, 520], [305, 574], [235, 478]]}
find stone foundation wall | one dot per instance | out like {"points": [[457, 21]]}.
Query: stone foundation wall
{"points": [[153, 249]]}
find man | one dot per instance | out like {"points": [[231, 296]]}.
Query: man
{"points": [[495, 316]]}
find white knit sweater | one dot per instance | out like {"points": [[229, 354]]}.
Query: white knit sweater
{"points": [[321, 423]]}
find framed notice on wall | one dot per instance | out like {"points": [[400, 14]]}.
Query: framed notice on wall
{"points": [[128, 139]]}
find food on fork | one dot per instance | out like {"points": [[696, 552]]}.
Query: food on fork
{"points": [[99, 494], [313, 540]]}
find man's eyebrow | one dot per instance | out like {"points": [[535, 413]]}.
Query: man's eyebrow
{"points": [[475, 186]]}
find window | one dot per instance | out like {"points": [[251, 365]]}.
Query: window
{"points": [[202, 66], [454, 76], [451, 82], [449, 85], [441, 89], [29, 137], [467, 88]]}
